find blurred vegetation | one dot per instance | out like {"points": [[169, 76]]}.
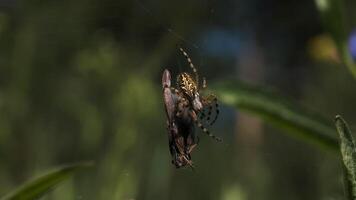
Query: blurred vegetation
{"points": [[335, 18], [278, 111], [38, 186], [80, 80]]}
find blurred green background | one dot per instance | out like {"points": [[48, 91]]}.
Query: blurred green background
{"points": [[81, 80]]}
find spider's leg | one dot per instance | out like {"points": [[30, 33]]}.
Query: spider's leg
{"points": [[209, 112], [202, 114], [201, 126], [207, 103], [211, 100], [216, 111], [191, 66]]}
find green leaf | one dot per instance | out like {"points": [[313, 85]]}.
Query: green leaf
{"points": [[348, 153], [332, 13], [279, 112], [37, 187]]}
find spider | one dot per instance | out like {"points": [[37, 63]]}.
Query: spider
{"points": [[190, 104], [183, 106]]}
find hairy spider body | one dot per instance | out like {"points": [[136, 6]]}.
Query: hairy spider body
{"points": [[187, 84], [183, 106], [190, 90]]}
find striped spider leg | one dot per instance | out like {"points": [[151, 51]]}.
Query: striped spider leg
{"points": [[209, 101]]}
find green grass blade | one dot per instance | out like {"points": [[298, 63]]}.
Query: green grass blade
{"points": [[332, 14], [37, 187], [348, 153], [278, 112]]}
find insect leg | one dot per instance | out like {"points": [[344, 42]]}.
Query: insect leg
{"points": [[182, 105], [180, 101], [175, 90], [189, 162], [193, 146]]}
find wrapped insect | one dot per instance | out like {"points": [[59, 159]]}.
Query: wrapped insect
{"points": [[179, 133], [183, 106]]}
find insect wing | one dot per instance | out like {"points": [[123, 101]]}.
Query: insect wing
{"points": [[170, 107], [168, 97]]}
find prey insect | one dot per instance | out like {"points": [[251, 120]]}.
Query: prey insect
{"points": [[185, 109]]}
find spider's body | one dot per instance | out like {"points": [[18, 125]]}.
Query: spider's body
{"points": [[187, 84], [183, 106], [189, 88]]}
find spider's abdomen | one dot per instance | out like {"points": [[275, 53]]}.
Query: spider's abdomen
{"points": [[187, 84]]}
